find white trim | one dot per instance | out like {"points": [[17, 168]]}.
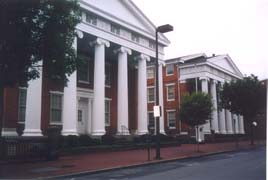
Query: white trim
{"points": [[56, 92], [150, 67], [108, 65], [83, 82], [87, 59], [108, 100], [149, 118], [98, 32], [23, 88], [167, 86], [150, 87], [19, 121], [50, 104], [168, 111], [55, 123], [173, 70], [149, 32], [9, 132]]}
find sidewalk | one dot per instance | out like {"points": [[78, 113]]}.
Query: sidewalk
{"points": [[91, 162]]}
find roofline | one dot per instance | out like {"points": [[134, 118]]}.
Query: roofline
{"points": [[197, 55], [164, 38], [227, 55]]}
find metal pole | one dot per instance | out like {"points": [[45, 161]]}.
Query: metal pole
{"points": [[195, 80], [157, 98]]}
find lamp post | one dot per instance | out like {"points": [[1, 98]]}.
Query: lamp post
{"points": [[161, 29]]}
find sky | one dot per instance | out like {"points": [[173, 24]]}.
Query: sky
{"points": [[235, 27]]}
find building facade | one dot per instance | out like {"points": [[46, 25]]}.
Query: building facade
{"points": [[107, 93], [204, 74]]}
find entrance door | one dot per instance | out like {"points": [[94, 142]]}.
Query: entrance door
{"points": [[82, 116]]}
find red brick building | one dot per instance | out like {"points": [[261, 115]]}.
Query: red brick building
{"points": [[188, 74]]}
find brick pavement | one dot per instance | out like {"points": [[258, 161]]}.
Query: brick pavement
{"points": [[105, 160]]}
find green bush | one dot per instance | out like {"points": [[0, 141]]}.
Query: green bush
{"points": [[140, 139], [70, 141], [107, 139], [86, 140]]}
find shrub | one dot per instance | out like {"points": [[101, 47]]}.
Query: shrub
{"points": [[70, 141], [107, 139]]}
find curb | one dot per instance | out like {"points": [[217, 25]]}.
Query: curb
{"points": [[72, 175]]}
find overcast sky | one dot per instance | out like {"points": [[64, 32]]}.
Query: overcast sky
{"points": [[235, 27]]}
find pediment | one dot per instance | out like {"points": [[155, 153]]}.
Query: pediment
{"points": [[127, 14], [226, 63]]}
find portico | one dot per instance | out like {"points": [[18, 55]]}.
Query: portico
{"points": [[107, 92], [211, 73]]}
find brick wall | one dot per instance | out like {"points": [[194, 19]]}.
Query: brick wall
{"points": [[11, 98], [171, 105], [47, 86]]}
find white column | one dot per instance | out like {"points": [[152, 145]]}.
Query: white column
{"points": [[222, 124], [241, 125], [236, 126], [214, 122], [161, 99], [204, 84], [70, 103], [204, 87], [122, 91], [222, 119], [89, 115], [142, 96], [229, 124], [70, 107], [98, 121], [33, 107]]}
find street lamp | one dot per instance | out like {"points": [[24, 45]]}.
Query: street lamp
{"points": [[161, 29]]}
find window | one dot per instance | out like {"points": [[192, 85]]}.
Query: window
{"points": [[169, 69], [151, 44], [115, 29], [151, 120], [22, 104], [107, 75], [150, 72], [170, 92], [150, 94], [171, 116], [83, 70], [55, 108], [135, 37], [107, 112], [80, 115], [91, 19]]}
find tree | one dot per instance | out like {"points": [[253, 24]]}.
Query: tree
{"points": [[195, 110], [32, 31], [244, 96]]}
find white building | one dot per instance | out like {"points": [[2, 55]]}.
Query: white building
{"points": [[108, 93], [211, 73]]}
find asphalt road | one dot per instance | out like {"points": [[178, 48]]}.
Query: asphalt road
{"points": [[243, 165]]}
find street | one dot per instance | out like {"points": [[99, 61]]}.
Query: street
{"points": [[244, 165]]}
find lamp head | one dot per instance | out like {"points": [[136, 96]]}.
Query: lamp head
{"points": [[164, 28]]}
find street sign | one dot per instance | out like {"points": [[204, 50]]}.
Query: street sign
{"points": [[157, 111]]}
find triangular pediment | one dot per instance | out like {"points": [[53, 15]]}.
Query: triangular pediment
{"points": [[226, 63], [127, 14]]}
